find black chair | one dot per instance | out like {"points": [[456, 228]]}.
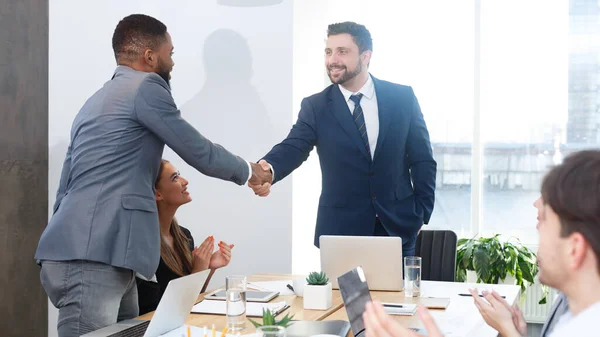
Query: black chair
{"points": [[437, 250]]}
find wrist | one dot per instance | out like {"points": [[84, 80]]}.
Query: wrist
{"points": [[510, 331]]}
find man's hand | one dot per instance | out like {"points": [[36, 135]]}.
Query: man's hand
{"points": [[497, 313], [264, 188], [379, 324]]}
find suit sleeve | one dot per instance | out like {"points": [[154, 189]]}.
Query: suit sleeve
{"points": [[288, 155], [156, 110], [422, 166], [64, 180]]}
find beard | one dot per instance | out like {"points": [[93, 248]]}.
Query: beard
{"points": [[164, 72], [346, 76]]}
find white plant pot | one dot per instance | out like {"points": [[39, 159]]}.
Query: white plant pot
{"points": [[508, 280], [317, 297], [471, 276]]}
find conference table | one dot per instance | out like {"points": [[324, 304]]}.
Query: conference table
{"points": [[460, 319]]}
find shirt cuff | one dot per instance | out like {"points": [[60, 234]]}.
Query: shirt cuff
{"points": [[272, 174], [249, 171]]}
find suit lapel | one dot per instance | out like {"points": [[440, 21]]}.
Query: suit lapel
{"points": [[340, 110], [553, 310], [385, 115]]}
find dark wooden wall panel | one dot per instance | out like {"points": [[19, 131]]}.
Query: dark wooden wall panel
{"points": [[23, 164]]}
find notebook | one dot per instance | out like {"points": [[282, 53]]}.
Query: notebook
{"points": [[400, 309], [428, 302], [253, 309]]}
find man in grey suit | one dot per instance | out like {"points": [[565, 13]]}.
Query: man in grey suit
{"points": [[105, 224]]}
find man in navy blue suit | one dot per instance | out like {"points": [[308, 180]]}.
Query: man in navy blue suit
{"points": [[376, 158]]}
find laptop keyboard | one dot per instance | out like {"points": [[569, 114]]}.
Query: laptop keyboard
{"points": [[134, 331]]}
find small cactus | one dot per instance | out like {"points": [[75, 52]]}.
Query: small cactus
{"points": [[317, 279]]}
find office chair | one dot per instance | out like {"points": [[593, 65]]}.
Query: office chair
{"points": [[437, 249]]}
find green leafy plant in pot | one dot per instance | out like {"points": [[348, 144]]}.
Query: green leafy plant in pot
{"points": [[269, 320], [493, 260], [318, 292], [317, 279]]}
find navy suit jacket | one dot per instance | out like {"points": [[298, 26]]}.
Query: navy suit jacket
{"points": [[397, 184]]}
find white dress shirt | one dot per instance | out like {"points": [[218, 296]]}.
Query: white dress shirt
{"points": [[368, 103], [584, 324], [249, 174]]}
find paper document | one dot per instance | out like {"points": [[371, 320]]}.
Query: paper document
{"points": [[280, 286], [401, 309], [198, 332], [182, 331], [253, 309]]}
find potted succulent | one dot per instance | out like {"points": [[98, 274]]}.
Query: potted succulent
{"points": [[488, 260], [317, 293], [269, 320]]}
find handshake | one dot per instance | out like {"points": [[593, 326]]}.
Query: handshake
{"points": [[261, 179]]}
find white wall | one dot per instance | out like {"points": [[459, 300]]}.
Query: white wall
{"points": [[232, 80]]}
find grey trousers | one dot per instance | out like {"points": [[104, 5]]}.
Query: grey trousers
{"points": [[89, 295]]}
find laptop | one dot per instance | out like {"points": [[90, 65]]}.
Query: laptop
{"points": [[379, 256], [174, 307]]}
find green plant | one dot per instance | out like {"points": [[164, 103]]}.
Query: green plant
{"points": [[317, 279], [493, 261], [269, 319]]}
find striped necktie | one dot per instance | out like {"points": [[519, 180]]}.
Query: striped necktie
{"points": [[359, 119]]}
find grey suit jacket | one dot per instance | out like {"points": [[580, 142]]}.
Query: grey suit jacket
{"points": [[105, 209], [560, 307]]}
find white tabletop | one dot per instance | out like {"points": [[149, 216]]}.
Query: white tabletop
{"points": [[461, 318]]}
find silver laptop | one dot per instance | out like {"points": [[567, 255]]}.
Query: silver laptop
{"points": [[379, 256], [174, 307]]}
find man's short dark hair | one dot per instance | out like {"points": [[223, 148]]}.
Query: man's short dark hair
{"points": [[360, 34], [134, 34], [572, 189]]}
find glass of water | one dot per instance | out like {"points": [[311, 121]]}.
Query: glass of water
{"points": [[270, 331], [235, 287], [412, 276]]}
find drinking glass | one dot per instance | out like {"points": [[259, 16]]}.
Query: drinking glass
{"points": [[412, 276], [235, 287], [270, 331]]}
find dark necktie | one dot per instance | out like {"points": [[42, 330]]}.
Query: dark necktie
{"points": [[359, 120]]}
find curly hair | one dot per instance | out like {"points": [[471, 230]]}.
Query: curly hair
{"points": [[360, 34], [136, 33]]}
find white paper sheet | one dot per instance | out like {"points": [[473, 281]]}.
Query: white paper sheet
{"points": [[280, 286], [199, 332], [253, 309]]}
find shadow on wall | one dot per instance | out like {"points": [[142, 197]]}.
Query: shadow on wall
{"points": [[228, 109], [248, 3]]}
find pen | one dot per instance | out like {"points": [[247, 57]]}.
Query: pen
{"points": [[393, 305], [213, 330], [290, 287], [224, 332], [189, 334], [469, 295]]}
